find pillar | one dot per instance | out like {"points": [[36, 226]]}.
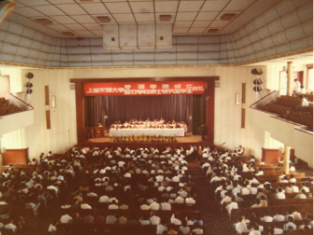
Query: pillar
{"points": [[286, 159], [290, 79], [0, 156]]}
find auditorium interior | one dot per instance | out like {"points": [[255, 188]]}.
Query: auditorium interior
{"points": [[154, 104]]}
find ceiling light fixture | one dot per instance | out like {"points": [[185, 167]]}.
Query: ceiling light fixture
{"points": [[165, 17], [103, 19], [44, 21], [213, 30], [68, 34], [227, 16]]}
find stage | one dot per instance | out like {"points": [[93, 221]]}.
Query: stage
{"points": [[189, 138]]}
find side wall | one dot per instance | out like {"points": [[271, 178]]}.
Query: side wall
{"points": [[63, 126], [15, 139]]}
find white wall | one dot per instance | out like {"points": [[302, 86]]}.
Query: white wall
{"points": [[227, 114], [288, 133], [15, 139], [62, 134], [15, 74], [63, 118]]}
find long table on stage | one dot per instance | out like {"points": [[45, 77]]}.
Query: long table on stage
{"points": [[130, 132]]}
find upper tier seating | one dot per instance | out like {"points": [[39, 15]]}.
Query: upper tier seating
{"points": [[6, 108], [288, 101]]}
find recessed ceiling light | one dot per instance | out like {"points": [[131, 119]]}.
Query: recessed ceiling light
{"points": [[165, 17], [68, 34], [213, 30], [44, 21], [103, 19], [227, 16]]}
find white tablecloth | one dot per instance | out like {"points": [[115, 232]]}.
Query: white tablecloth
{"points": [[164, 132], [152, 123]]}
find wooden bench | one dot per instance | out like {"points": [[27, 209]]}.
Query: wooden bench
{"points": [[302, 208], [309, 97], [303, 119], [274, 108], [116, 228], [288, 101]]}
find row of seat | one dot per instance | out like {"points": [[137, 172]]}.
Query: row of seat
{"points": [[304, 119], [275, 108], [288, 101], [9, 109], [4, 102], [301, 208], [276, 202], [309, 97], [114, 228]]}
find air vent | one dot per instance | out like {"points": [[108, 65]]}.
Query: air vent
{"points": [[86, 0], [68, 34], [227, 16], [44, 21], [213, 30], [103, 19], [165, 17]]}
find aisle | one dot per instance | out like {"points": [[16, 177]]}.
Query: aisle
{"points": [[215, 222]]}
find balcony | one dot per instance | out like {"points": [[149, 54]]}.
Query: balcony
{"points": [[14, 121], [288, 132]]}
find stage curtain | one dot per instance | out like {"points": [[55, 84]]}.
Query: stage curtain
{"points": [[90, 111], [198, 113], [124, 108]]}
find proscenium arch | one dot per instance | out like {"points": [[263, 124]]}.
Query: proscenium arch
{"points": [[210, 98]]}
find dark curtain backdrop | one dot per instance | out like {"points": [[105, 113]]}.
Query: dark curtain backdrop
{"points": [[90, 109], [124, 108], [198, 113]]}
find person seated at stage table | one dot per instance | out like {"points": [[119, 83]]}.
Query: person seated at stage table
{"points": [[162, 120], [173, 122]]}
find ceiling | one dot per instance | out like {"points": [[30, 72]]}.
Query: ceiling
{"points": [[188, 17], [298, 59]]}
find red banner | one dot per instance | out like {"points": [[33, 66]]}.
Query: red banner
{"points": [[144, 88]]}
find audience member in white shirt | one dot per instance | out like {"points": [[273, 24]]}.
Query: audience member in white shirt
{"points": [[279, 217], [280, 194]]}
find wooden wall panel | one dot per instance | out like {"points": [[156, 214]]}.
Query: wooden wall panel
{"points": [[271, 156], [48, 119], [15, 156], [79, 100], [243, 118], [243, 93], [46, 95], [210, 109]]}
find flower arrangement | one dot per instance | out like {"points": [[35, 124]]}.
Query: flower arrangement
{"points": [[145, 139]]}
